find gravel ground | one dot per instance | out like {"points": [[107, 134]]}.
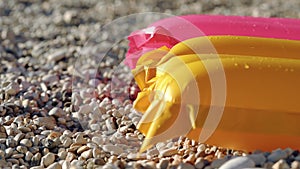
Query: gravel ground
{"points": [[66, 97]]}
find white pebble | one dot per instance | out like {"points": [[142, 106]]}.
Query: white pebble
{"points": [[281, 164], [112, 148], [238, 163], [48, 159]]}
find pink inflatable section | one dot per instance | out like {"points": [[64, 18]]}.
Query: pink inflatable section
{"points": [[170, 31]]}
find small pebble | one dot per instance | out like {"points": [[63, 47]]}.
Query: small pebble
{"points": [[238, 163], [55, 165], [259, 159], [168, 152], [277, 155], [56, 112], [281, 164], [185, 166], [48, 159], [112, 148]]}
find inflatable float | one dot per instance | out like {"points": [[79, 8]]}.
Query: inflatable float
{"points": [[236, 90]]}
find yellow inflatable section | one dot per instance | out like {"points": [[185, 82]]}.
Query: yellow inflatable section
{"points": [[257, 101]]}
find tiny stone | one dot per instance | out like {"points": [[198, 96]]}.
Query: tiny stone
{"points": [[112, 148], [36, 159], [57, 55], [295, 165], [80, 139], [70, 157], [259, 159], [56, 111], [49, 78], [99, 161], [163, 163], [185, 166], [168, 152], [26, 142], [21, 149], [135, 156], [48, 122], [96, 152], [55, 165], [190, 159], [62, 155], [13, 160], [281, 164], [82, 149], [98, 140], [67, 142], [19, 137], [17, 156], [238, 162], [10, 142], [87, 154], [277, 155], [199, 164], [24, 129], [37, 167], [66, 165], [8, 152], [28, 156], [48, 159], [218, 162]]}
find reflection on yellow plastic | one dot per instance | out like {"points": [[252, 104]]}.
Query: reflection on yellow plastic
{"points": [[261, 110]]}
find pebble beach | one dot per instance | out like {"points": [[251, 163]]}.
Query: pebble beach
{"points": [[66, 96]]}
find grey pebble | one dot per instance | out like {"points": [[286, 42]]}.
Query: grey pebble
{"points": [[185, 166], [259, 159], [277, 155], [50, 78], [238, 163], [163, 163], [26, 142], [217, 163], [199, 163]]}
